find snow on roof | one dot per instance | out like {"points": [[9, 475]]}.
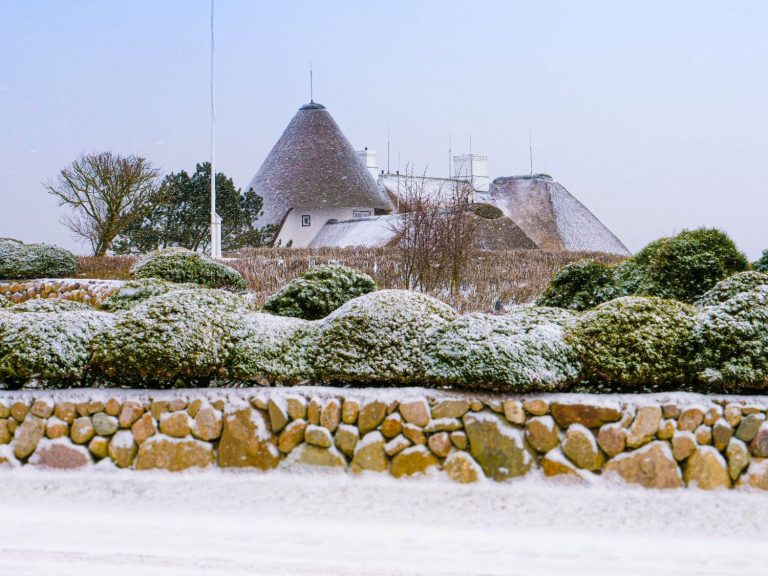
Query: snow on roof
{"points": [[313, 165], [437, 190], [372, 232], [551, 216]]}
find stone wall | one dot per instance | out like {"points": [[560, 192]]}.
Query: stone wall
{"points": [[658, 441], [87, 291]]}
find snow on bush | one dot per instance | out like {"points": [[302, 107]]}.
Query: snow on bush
{"points": [[272, 347], [320, 291], [379, 337], [50, 346], [519, 352], [636, 341], [19, 261], [733, 340], [49, 305], [180, 266], [687, 265], [5, 303], [580, 286], [136, 291], [731, 286], [182, 334]]}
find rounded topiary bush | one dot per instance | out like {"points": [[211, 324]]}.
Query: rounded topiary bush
{"points": [[728, 288], [134, 292], [732, 339], [580, 286], [516, 353], [687, 265], [636, 342], [181, 334], [19, 261], [487, 211], [272, 348], [319, 291], [49, 305], [378, 337], [182, 266], [50, 346]]}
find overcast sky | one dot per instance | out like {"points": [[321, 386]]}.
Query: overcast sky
{"points": [[652, 113]]}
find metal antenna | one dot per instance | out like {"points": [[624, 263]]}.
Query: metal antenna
{"points": [[530, 148], [449, 154], [388, 172], [311, 85]]}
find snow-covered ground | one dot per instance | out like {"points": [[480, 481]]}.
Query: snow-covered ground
{"points": [[124, 523]]}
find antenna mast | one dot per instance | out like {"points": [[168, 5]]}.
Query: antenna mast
{"points": [[215, 219], [388, 172], [311, 85], [530, 147], [449, 154]]}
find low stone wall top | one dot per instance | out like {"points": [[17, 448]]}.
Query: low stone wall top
{"points": [[657, 441], [87, 291]]}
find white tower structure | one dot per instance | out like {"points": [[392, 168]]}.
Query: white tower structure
{"points": [[368, 158], [474, 169]]}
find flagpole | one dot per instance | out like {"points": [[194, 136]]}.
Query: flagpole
{"points": [[215, 220]]}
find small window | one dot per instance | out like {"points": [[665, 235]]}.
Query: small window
{"points": [[361, 213], [306, 220]]}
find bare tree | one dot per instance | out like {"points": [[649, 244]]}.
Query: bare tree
{"points": [[106, 193], [434, 233]]}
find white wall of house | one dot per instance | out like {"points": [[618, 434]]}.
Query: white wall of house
{"points": [[302, 225]]}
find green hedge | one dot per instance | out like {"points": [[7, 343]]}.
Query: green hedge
{"points": [[19, 261], [682, 267], [319, 291], [636, 342], [135, 292], [184, 266]]}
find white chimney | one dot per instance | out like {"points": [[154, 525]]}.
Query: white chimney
{"points": [[474, 169], [368, 158]]}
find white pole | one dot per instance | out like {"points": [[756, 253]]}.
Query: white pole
{"points": [[215, 223]]}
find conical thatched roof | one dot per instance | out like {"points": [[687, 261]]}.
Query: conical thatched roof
{"points": [[313, 165], [550, 215]]}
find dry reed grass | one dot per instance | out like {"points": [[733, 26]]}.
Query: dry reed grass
{"points": [[511, 276]]}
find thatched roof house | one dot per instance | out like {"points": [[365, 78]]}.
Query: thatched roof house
{"points": [[551, 216], [313, 175]]}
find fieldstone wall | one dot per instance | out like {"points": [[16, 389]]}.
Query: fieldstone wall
{"points": [[87, 291], [657, 441]]}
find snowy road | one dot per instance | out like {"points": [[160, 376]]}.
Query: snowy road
{"points": [[279, 524]]}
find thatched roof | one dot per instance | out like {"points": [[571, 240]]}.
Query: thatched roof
{"points": [[313, 165], [401, 188], [550, 216]]}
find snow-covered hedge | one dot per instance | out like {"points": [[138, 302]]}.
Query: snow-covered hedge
{"points": [[521, 351], [635, 341], [5, 303], [682, 267], [136, 291], [580, 286], [731, 286], [687, 265], [180, 266], [49, 305], [182, 334], [19, 261], [50, 346], [379, 337], [733, 340], [272, 347], [320, 291]]}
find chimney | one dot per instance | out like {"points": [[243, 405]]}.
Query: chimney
{"points": [[368, 158]]}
